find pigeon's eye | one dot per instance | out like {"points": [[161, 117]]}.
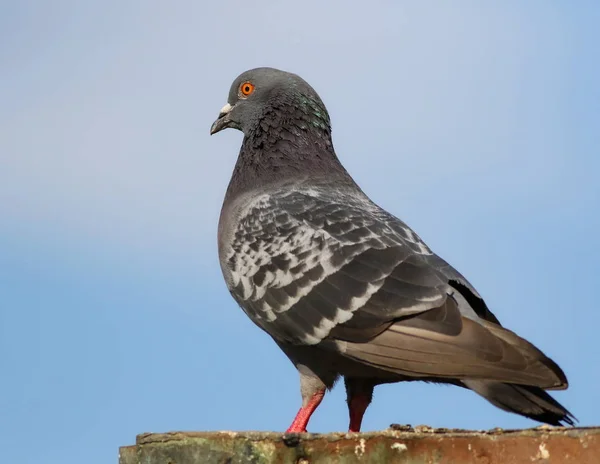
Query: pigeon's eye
{"points": [[246, 89]]}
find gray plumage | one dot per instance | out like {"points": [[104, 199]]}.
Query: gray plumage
{"points": [[344, 287]]}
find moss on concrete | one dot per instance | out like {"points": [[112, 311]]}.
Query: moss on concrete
{"points": [[402, 445]]}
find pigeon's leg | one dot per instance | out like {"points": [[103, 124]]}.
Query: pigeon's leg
{"points": [[312, 389], [359, 393], [303, 416], [314, 380]]}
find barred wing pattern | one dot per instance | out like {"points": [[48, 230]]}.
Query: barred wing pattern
{"points": [[303, 262]]}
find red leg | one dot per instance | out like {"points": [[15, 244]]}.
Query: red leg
{"points": [[357, 405], [359, 393], [303, 416]]}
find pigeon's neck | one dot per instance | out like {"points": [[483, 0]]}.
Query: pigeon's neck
{"points": [[288, 142]]}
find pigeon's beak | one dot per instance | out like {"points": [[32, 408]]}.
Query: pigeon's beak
{"points": [[223, 121]]}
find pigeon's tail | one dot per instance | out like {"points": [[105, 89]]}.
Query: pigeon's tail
{"points": [[532, 402]]}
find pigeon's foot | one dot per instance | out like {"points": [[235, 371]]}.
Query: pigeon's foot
{"points": [[292, 429], [303, 416]]}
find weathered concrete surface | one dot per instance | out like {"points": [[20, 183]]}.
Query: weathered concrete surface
{"points": [[402, 445]]}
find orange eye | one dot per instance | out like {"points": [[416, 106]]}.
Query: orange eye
{"points": [[246, 88]]}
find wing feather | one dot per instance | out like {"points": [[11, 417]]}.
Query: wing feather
{"points": [[302, 264], [442, 343]]}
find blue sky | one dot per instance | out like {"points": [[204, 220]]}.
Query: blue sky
{"points": [[478, 124]]}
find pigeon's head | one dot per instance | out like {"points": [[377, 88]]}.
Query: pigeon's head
{"points": [[259, 91]]}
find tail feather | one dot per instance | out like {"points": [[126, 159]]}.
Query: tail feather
{"points": [[532, 402]]}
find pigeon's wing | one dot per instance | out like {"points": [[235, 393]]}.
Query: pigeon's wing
{"points": [[323, 267], [466, 294], [304, 262], [441, 343], [469, 301]]}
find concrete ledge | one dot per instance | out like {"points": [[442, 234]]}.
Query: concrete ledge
{"points": [[402, 445]]}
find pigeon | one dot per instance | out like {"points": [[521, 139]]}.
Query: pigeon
{"points": [[345, 288]]}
